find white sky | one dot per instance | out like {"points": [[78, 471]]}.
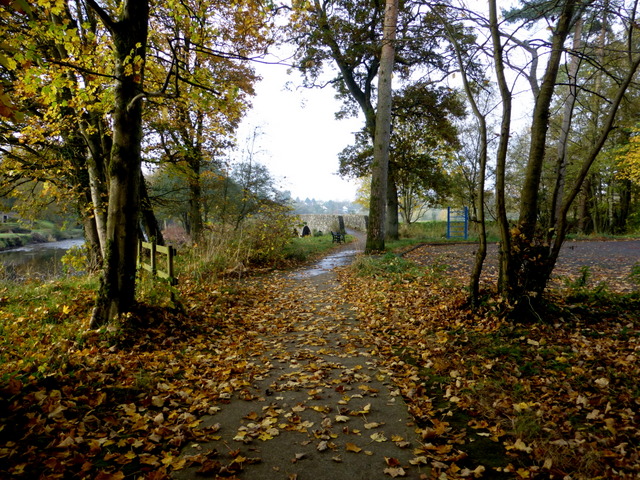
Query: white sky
{"points": [[300, 138]]}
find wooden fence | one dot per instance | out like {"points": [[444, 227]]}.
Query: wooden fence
{"points": [[152, 266]]}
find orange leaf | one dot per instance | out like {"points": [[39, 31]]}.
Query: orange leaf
{"points": [[352, 447]]}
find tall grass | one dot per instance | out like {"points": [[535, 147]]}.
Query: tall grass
{"points": [[265, 241]]}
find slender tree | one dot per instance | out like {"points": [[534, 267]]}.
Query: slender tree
{"points": [[379, 168]]}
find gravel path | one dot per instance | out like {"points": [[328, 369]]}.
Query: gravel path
{"points": [[608, 261]]}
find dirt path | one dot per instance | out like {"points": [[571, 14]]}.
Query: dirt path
{"points": [[324, 407]]}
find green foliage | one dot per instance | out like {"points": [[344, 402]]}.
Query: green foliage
{"points": [[267, 232], [76, 259], [301, 249], [635, 274], [582, 279]]}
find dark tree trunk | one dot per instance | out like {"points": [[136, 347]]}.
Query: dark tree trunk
{"points": [[585, 222], [195, 203], [392, 232], [529, 261], [505, 270], [149, 221], [563, 139], [625, 206], [118, 282]]}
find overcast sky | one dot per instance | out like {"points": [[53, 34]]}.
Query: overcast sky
{"points": [[300, 137]]}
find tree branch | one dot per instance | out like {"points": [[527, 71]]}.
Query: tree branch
{"points": [[104, 16]]}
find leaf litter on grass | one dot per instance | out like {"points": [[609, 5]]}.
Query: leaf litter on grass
{"points": [[497, 399], [127, 401]]}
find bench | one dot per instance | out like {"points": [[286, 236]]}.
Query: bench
{"points": [[338, 237]]}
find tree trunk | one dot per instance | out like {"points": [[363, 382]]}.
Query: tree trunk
{"points": [[540, 126], [585, 222], [379, 176], [97, 170], [195, 203], [392, 232], [505, 270], [625, 206], [529, 261], [478, 198], [563, 139], [148, 217], [118, 282]]}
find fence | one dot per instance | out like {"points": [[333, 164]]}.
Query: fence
{"points": [[152, 266], [458, 223]]}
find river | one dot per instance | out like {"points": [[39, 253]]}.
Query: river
{"points": [[40, 260]]}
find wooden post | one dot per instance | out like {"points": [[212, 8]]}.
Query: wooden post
{"points": [[153, 257], [170, 255]]}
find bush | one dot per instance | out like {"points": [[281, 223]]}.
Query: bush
{"points": [[259, 241]]}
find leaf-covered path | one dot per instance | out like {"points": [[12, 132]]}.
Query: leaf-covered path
{"points": [[321, 406]]}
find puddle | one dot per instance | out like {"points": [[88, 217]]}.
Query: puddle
{"points": [[339, 258], [328, 263]]}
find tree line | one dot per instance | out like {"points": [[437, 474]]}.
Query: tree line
{"points": [[92, 91]]}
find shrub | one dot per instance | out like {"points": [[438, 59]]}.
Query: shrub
{"points": [[259, 241]]}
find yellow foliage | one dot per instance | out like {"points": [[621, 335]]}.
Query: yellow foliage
{"points": [[630, 160]]}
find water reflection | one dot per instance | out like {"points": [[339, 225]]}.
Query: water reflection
{"points": [[40, 260], [339, 258], [331, 261]]}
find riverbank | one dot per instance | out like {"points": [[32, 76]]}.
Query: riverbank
{"points": [[13, 235]]}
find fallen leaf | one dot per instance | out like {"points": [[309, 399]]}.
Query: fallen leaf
{"points": [[352, 447], [395, 472], [371, 425]]}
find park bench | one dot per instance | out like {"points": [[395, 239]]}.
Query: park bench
{"points": [[338, 237]]}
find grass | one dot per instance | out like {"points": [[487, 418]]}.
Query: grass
{"points": [[302, 249], [435, 232], [38, 319], [388, 266]]}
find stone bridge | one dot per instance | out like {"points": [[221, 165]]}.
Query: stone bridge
{"points": [[333, 223]]}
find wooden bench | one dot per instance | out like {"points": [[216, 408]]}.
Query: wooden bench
{"points": [[338, 237]]}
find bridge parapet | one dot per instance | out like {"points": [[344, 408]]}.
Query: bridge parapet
{"points": [[334, 223]]}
